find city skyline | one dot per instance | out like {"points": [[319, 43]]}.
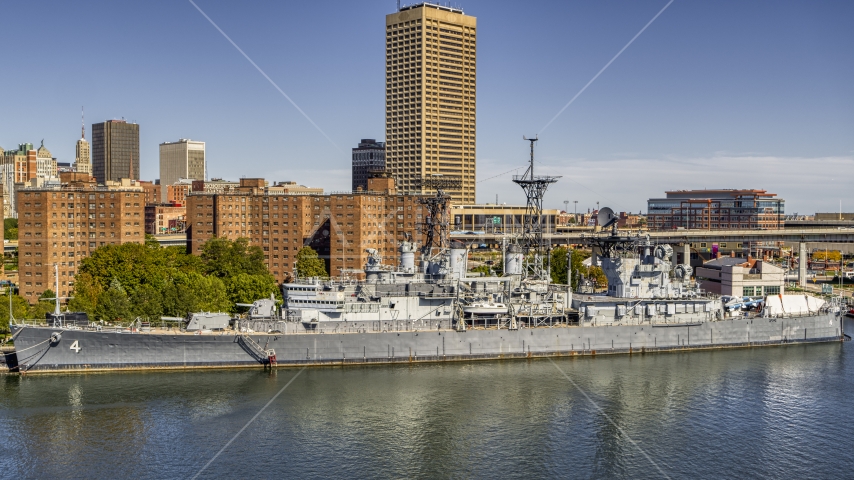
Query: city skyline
{"points": [[731, 95]]}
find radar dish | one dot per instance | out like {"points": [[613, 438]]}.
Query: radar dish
{"points": [[683, 272], [606, 217]]}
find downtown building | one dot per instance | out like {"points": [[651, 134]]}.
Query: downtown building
{"points": [[22, 166], [723, 209], [339, 226], [62, 224], [368, 160], [115, 151], [430, 100], [82, 154], [181, 160]]}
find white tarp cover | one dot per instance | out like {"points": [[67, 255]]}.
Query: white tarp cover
{"points": [[792, 304]]}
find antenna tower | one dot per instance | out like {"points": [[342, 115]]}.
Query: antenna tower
{"points": [[437, 224], [531, 240], [82, 125]]}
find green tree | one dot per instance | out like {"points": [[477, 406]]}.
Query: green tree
{"points": [[47, 295], [147, 303], [598, 276], [244, 288], [483, 269], [224, 258], [151, 241], [20, 310], [558, 261], [113, 304], [130, 264], [86, 293], [40, 309], [10, 229], [309, 264], [194, 292]]}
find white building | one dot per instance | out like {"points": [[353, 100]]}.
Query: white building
{"points": [[739, 277]]}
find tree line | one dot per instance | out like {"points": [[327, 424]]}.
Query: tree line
{"points": [[129, 281]]}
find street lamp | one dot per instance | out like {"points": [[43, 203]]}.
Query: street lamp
{"points": [[576, 211]]}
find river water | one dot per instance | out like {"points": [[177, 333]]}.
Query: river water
{"points": [[748, 413]]}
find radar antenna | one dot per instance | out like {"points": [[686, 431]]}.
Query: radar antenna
{"points": [[531, 240]]}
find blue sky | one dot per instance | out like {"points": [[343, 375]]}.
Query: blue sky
{"points": [[725, 94]]}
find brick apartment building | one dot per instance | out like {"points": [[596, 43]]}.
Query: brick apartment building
{"points": [[152, 192], [63, 224], [339, 226]]}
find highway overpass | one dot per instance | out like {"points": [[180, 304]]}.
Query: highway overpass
{"points": [[842, 236]]}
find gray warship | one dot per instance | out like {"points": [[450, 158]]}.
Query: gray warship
{"points": [[432, 309]]}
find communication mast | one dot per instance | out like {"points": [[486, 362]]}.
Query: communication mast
{"points": [[437, 224], [531, 240]]}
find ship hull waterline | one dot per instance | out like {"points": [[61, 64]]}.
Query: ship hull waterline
{"points": [[80, 350]]}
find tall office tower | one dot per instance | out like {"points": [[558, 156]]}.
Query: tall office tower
{"points": [[82, 158], [430, 100], [115, 150], [368, 158], [184, 159]]}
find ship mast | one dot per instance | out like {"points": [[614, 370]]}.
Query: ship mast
{"points": [[437, 224], [531, 239], [56, 293]]}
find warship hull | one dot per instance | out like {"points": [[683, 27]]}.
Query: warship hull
{"points": [[83, 350]]}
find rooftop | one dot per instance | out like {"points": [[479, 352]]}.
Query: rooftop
{"points": [[432, 5], [723, 192], [719, 263]]}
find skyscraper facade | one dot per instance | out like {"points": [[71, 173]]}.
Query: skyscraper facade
{"points": [[184, 159], [115, 150], [430, 100], [368, 159]]}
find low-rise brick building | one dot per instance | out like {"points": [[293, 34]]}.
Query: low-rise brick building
{"points": [[165, 218]]}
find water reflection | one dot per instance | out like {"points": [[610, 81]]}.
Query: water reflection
{"points": [[758, 412]]}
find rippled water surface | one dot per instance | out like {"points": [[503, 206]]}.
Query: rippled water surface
{"points": [[752, 413]]}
